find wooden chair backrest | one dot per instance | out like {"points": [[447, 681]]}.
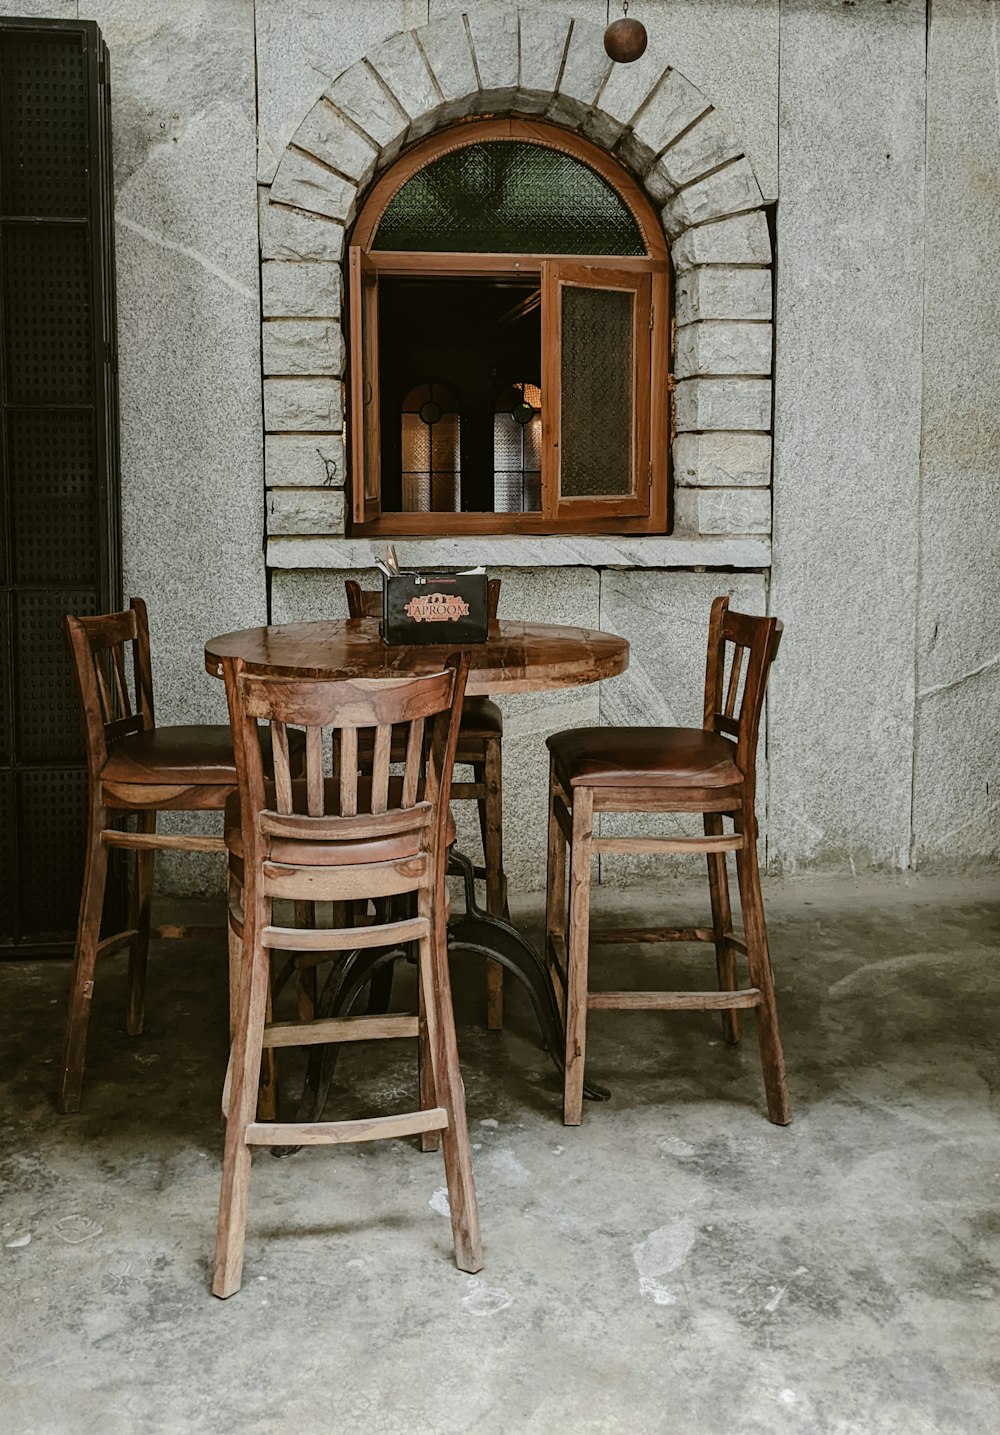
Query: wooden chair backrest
{"points": [[422, 707], [741, 649], [367, 602], [97, 647]]}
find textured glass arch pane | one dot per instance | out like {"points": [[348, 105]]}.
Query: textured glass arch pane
{"points": [[596, 436], [508, 197]]}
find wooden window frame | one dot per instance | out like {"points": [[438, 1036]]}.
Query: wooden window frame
{"points": [[645, 509]]}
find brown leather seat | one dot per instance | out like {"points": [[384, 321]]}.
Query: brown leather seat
{"points": [[191, 756], [404, 843], [480, 718], [646, 756]]}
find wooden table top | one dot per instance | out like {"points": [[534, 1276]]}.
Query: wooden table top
{"points": [[516, 658]]}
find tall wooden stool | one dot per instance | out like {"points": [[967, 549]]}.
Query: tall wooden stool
{"points": [[343, 839], [133, 766], [480, 746], [711, 770]]}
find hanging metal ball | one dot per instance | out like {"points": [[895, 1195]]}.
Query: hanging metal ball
{"points": [[625, 40]]}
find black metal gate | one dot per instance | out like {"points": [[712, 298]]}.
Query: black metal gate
{"points": [[59, 503]]}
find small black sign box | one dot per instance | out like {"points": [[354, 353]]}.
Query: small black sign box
{"points": [[434, 608]]}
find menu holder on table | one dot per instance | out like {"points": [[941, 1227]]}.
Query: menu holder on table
{"points": [[433, 607]]}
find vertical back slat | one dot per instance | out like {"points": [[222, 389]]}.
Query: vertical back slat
{"points": [[348, 772], [380, 769], [314, 771], [107, 706], [282, 767], [121, 685], [414, 754], [734, 680]]}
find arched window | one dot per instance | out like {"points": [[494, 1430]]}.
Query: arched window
{"points": [[528, 272]]}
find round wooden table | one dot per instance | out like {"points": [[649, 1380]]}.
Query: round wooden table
{"points": [[516, 658]]}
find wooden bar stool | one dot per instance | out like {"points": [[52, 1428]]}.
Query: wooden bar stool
{"points": [[133, 766], [711, 770], [343, 839], [480, 746]]}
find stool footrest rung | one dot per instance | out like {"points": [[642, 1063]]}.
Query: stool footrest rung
{"points": [[115, 943], [334, 939], [667, 846], [672, 1001], [162, 841], [335, 1133], [627, 935], [344, 1028]]}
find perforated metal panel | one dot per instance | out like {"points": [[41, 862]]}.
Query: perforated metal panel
{"points": [[58, 452], [52, 815]]}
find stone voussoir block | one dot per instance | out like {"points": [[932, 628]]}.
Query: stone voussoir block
{"points": [[307, 184], [313, 460], [722, 346], [742, 239], [723, 404], [305, 511], [706, 145], [730, 190], [586, 66], [287, 233], [325, 134], [671, 107], [300, 290], [302, 346], [722, 460], [359, 95], [543, 45], [303, 405], [445, 44], [494, 36], [721, 292], [625, 90], [400, 63]]}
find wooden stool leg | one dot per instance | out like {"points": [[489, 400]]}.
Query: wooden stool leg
{"points": [[555, 899], [491, 823], [722, 926], [759, 962], [429, 1140], [84, 961], [245, 1064], [450, 1093], [267, 1094], [578, 954], [141, 910]]}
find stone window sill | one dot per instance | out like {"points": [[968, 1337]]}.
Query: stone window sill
{"points": [[516, 551]]}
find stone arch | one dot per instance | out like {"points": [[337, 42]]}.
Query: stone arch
{"points": [[649, 116]]}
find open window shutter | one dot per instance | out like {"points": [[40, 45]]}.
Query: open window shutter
{"points": [[596, 342], [365, 412]]}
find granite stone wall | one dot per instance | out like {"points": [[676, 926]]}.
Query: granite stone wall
{"points": [[872, 466]]}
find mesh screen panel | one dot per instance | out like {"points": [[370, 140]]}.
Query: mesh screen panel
{"points": [[58, 453], [5, 744], [508, 197], [596, 429], [43, 114], [53, 497], [8, 856], [48, 713], [48, 321], [52, 825]]}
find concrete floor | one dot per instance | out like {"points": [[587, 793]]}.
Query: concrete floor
{"points": [[674, 1265]]}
